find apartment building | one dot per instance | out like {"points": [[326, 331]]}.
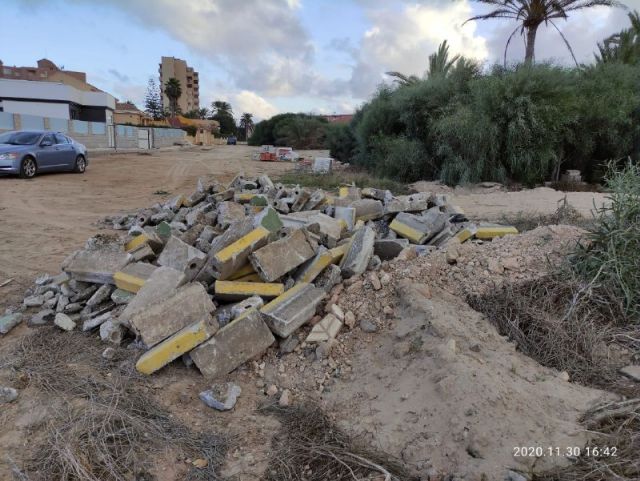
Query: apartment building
{"points": [[171, 67]]}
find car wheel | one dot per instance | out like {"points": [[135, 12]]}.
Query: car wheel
{"points": [[81, 164], [28, 168]]}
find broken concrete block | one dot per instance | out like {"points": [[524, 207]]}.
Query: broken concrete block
{"points": [[325, 330], [329, 227], [242, 339], [101, 295], [41, 318], [95, 321], [632, 371], [72, 307], [133, 276], [443, 236], [377, 194], [328, 278], [121, 296], [160, 285], [64, 322], [175, 346], [467, 233], [148, 237], [228, 213], [182, 257], [141, 253], [9, 321], [34, 301], [286, 313], [360, 250], [176, 203], [111, 331], [301, 199], [419, 229], [388, 249], [236, 290], [368, 209], [96, 264], [347, 214], [489, 231], [243, 271], [317, 199], [313, 267], [408, 203], [84, 294], [187, 305], [221, 397], [349, 192], [253, 302], [227, 261], [282, 256]]}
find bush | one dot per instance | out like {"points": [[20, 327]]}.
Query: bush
{"points": [[610, 255], [191, 130], [300, 131], [341, 142], [525, 124]]}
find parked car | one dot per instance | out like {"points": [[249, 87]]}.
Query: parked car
{"points": [[232, 140], [28, 152]]}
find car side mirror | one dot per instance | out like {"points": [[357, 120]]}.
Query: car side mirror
{"points": [[46, 143]]}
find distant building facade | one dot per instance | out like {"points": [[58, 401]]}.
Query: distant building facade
{"points": [[47, 71], [128, 113], [171, 67], [339, 119], [55, 100]]}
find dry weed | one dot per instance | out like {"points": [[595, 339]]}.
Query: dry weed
{"points": [[310, 447]]}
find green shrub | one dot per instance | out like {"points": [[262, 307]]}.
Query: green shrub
{"points": [[341, 142], [300, 131], [610, 257]]}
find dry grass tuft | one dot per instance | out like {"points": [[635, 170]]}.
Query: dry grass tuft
{"points": [[564, 324], [109, 429], [565, 214], [310, 447]]}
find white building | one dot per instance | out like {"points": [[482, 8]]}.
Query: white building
{"points": [[55, 100]]}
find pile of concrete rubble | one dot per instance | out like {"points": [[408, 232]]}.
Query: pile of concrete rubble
{"points": [[217, 276]]}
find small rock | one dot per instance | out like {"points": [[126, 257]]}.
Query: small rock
{"points": [[64, 322], [631, 371], [109, 353], [511, 264], [367, 326], [289, 344], [385, 279], [200, 463], [375, 281], [285, 400], [388, 311], [48, 295], [494, 266], [452, 255], [272, 390], [72, 307], [401, 349], [323, 351], [7, 395], [350, 319], [111, 331], [222, 397], [513, 476], [337, 311], [564, 376], [374, 263]]}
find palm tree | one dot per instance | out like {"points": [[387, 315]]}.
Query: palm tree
{"points": [[530, 14], [439, 65], [221, 107], [173, 91], [624, 46], [246, 123]]}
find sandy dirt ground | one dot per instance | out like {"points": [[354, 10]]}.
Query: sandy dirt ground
{"points": [[45, 219]]}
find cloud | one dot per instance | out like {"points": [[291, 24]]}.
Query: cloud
{"points": [[119, 75], [403, 40], [247, 101]]}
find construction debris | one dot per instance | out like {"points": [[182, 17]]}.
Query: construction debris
{"points": [[214, 275]]}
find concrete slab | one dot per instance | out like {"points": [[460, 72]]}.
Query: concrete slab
{"points": [[242, 339], [229, 260], [229, 212], [282, 256], [182, 257], [133, 276], [96, 264], [489, 231], [236, 290], [419, 229], [360, 250], [286, 313], [187, 305], [326, 330], [175, 346], [160, 285], [408, 203], [368, 209]]}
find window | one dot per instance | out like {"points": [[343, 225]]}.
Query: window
{"points": [[61, 139], [49, 138]]}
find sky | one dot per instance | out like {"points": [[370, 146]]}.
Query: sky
{"points": [[273, 56]]}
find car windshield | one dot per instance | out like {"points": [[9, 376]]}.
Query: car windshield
{"points": [[19, 138]]}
